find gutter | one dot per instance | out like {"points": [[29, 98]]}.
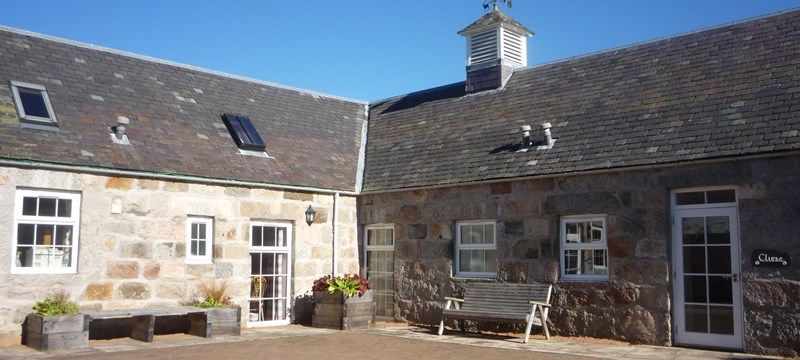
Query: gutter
{"points": [[589, 172], [168, 177]]}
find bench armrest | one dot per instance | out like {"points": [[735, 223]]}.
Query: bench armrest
{"points": [[540, 303], [452, 301]]}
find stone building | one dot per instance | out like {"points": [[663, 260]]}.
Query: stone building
{"points": [[127, 181], [655, 185], [641, 181]]}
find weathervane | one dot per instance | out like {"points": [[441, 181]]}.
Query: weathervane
{"points": [[494, 4]]}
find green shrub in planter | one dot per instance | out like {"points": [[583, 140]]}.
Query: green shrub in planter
{"points": [[222, 316], [56, 324], [56, 305]]}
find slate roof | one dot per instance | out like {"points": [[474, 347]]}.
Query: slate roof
{"points": [[175, 110], [494, 17], [726, 92]]}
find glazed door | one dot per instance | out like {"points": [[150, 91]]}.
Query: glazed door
{"points": [[708, 288], [379, 254], [270, 273]]}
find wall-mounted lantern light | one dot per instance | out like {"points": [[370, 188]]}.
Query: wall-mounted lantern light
{"points": [[310, 215]]}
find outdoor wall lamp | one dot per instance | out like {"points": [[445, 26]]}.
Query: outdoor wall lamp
{"points": [[310, 215]]}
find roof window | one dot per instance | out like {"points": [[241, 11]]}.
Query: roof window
{"points": [[32, 102], [243, 132]]}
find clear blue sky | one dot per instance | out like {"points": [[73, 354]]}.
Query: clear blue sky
{"points": [[365, 50]]}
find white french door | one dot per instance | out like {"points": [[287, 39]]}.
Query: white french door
{"points": [[270, 273], [379, 255], [708, 290]]}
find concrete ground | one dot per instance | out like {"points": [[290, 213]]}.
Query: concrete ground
{"points": [[387, 341]]}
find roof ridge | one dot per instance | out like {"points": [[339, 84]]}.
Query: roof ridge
{"points": [[172, 63], [418, 92], [663, 38]]}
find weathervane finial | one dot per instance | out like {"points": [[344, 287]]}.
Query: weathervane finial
{"points": [[494, 4]]}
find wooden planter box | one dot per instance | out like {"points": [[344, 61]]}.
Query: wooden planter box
{"points": [[57, 332], [220, 321], [337, 311]]}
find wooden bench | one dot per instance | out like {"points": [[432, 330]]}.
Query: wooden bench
{"points": [[143, 320], [501, 302]]}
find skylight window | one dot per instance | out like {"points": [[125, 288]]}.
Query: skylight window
{"points": [[243, 132], [32, 102]]}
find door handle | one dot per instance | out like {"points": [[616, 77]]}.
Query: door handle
{"points": [[733, 277]]}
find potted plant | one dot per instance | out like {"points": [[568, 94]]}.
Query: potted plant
{"points": [[221, 317], [343, 302], [56, 323]]}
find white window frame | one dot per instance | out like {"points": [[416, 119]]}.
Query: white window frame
{"points": [[385, 294], [209, 240], [367, 246], [73, 220], [487, 246], [704, 190], [15, 85], [594, 245], [287, 249]]}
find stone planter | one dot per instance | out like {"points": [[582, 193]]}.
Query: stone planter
{"points": [[57, 332], [337, 311], [220, 321]]}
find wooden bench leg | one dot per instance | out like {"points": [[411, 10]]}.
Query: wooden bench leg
{"points": [[142, 327], [544, 313], [441, 326], [528, 329]]}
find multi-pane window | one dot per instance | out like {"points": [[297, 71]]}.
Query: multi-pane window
{"points": [[243, 132], [269, 273], [476, 249], [199, 240], [46, 225], [584, 248], [32, 103], [379, 248], [705, 197]]}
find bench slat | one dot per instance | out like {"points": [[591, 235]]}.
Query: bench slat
{"points": [[123, 313]]}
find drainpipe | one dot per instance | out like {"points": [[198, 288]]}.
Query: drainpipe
{"points": [[333, 228]]}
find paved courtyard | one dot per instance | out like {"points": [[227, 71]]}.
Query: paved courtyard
{"points": [[388, 341]]}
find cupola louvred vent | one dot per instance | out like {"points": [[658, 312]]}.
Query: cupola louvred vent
{"points": [[483, 48], [496, 45]]}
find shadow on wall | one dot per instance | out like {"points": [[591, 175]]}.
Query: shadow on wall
{"points": [[24, 335], [105, 329], [303, 309]]}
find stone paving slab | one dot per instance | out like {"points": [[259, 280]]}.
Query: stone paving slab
{"points": [[582, 348], [420, 335]]}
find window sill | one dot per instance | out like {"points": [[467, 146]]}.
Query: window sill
{"points": [[43, 271], [199, 262], [255, 153], [593, 279], [38, 125], [474, 277]]}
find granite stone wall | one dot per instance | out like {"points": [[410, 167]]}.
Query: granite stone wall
{"points": [[135, 258], [634, 305]]}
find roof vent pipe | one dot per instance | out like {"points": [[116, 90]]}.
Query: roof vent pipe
{"points": [[548, 138], [548, 141], [526, 134], [118, 132]]}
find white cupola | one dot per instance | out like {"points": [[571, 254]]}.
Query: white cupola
{"points": [[496, 45]]}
